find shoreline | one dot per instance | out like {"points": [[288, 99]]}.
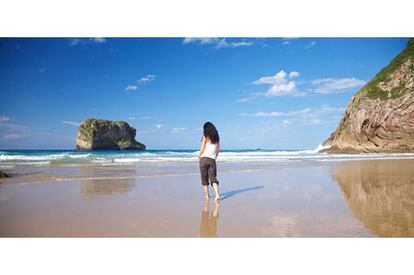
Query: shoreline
{"points": [[53, 158]]}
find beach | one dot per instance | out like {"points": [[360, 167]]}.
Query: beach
{"points": [[263, 194]]}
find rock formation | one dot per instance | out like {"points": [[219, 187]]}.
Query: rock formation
{"points": [[380, 116], [94, 134]]}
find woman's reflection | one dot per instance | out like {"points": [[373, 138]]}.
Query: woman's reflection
{"points": [[208, 227]]}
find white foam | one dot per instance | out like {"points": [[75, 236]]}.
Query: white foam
{"points": [[34, 163], [101, 161], [69, 158], [320, 148], [127, 160], [43, 157], [26, 157], [171, 159], [79, 156]]}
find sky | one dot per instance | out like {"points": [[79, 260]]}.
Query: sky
{"points": [[268, 93]]}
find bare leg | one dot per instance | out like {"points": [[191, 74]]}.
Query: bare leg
{"points": [[206, 192], [216, 192]]}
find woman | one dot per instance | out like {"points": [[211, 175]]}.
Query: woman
{"points": [[210, 148]]}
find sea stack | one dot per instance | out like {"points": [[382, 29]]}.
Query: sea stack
{"points": [[98, 134], [380, 116]]}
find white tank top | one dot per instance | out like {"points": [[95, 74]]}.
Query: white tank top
{"points": [[210, 151]]}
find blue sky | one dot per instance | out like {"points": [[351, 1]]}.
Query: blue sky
{"points": [[272, 93]]}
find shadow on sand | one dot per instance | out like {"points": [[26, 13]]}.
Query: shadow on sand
{"points": [[229, 194]]}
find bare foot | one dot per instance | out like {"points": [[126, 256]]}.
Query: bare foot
{"points": [[207, 197], [217, 198]]}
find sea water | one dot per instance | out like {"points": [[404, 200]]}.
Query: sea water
{"points": [[62, 157]]}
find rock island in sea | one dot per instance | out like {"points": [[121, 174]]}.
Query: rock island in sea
{"points": [[98, 134]]}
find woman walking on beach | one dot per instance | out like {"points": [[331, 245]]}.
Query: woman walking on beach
{"points": [[209, 150]]}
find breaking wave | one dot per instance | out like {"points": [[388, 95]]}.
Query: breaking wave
{"points": [[61, 157]]}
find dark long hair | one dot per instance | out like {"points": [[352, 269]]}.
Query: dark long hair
{"points": [[211, 132]]}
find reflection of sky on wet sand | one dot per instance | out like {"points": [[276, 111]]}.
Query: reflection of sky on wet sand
{"points": [[287, 202], [380, 194]]}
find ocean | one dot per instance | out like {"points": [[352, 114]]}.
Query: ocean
{"points": [[73, 157]]}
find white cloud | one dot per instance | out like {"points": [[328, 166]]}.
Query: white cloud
{"points": [[4, 118], [72, 123], [288, 40], [311, 121], [241, 44], [178, 130], [336, 85], [143, 81], [275, 79], [281, 83], [12, 131], [277, 114], [13, 127], [83, 41], [306, 116], [75, 41], [146, 79], [324, 115], [246, 99], [99, 40], [202, 40], [330, 110], [217, 42], [140, 117], [310, 45], [158, 126], [299, 94], [131, 88], [294, 74], [15, 136], [285, 84]]}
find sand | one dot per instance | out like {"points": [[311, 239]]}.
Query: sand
{"points": [[274, 199]]}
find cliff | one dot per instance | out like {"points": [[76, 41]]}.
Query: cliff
{"points": [[94, 134], [380, 116]]}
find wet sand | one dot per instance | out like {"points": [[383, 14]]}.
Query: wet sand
{"points": [[276, 199]]}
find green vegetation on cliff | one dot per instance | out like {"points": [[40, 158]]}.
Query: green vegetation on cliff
{"points": [[372, 88], [379, 118]]}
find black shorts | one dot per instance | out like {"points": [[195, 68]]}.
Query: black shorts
{"points": [[208, 169]]}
